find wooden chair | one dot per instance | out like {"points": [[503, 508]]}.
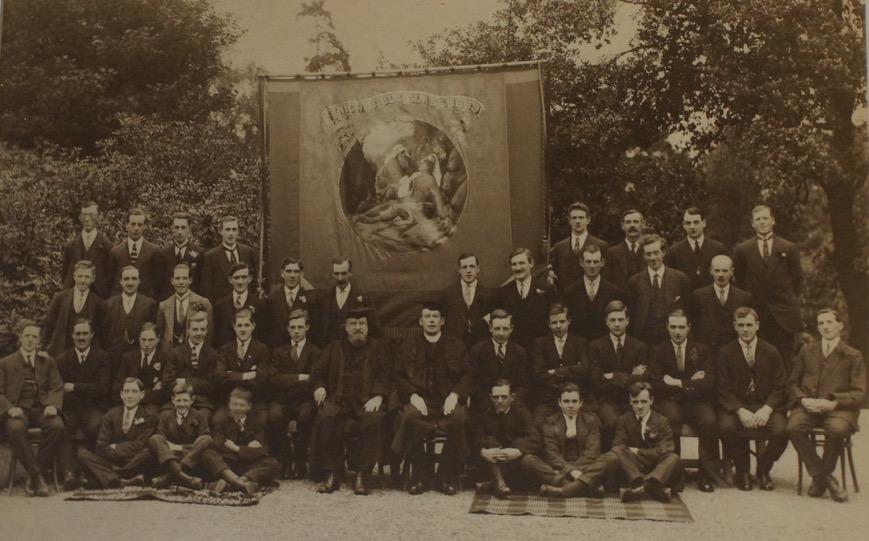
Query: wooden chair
{"points": [[818, 436], [34, 436]]}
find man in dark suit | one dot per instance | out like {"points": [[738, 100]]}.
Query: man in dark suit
{"points": [[768, 266], [351, 380], [146, 363], [509, 443], [655, 292], [241, 298], [467, 302], [89, 245], [173, 311], [67, 306], [218, 262], [625, 259], [122, 457], [526, 299], [181, 438], [827, 387], [712, 306], [617, 361], [245, 365], [182, 250], [86, 373], [752, 393], [588, 296], [500, 358], [433, 379], [559, 358], [290, 394], [572, 450], [138, 252], [31, 394], [124, 316], [693, 254], [289, 296], [645, 449], [239, 456], [682, 373], [342, 297], [565, 254], [197, 364]]}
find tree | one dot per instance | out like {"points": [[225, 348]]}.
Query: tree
{"points": [[330, 52], [69, 67]]}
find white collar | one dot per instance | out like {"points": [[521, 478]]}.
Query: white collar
{"points": [[82, 294], [136, 243], [132, 410], [245, 344], [560, 340], [645, 418], [659, 272], [432, 339], [471, 285], [580, 238], [698, 241], [497, 346], [31, 355], [300, 344], [236, 296], [568, 419], [88, 234], [234, 248], [129, 298], [830, 344], [294, 291], [195, 348], [725, 288], [181, 246], [615, 339], [80, 354], [182, 298], [345, 291]]}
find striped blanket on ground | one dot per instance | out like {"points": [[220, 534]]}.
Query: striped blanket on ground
{"points": [[610, 507]]}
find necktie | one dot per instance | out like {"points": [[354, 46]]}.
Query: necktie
{"points": [[128, 420], [233, 257], [559, 347], [291, 299], [642, 428], [240, 351], [827, 349], [765, 244], [656, 284], [619, 348], [78, 304], [749, 358], [194, 358], [134, 253], [522, 290], [592, 290], [722, 297], [466, 293], [294, 351], [144, 361], [500, 352], [29, 359], [180, 311], [238, 302], [680, 358], [695, 247], [575, 246], [81, 358]]}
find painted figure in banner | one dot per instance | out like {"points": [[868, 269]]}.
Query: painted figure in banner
{"points": [[404, 186]]}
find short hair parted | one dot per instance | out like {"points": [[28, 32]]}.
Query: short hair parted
{"points": [[23, 323], [745, 311], [298, 313], [501, 382], [500, 313], [182, 388], [137, 381], [616, 306], [88, 204], [125, 268], [579, 205], [760, 207], [244, 313], [695, 211], [652, 238], [181, 215], [150, 326], [679, 312], [290, 260], [341, 261], [242, 393], [466, 255], [136, 211], [639, 386], [521, 251], [241, 265], [592, 248], [631, 211], [196, 317], [181, 266], [828, 310], [82, 321], [228, 218], [557, 308], [84, 264], [570, 387]]}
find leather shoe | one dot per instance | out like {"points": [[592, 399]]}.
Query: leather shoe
{"points": [[818, 486], [703, 485], [655, 491], [595, 491], [359, 487], [249, 488], [417, 488], [300, 470], [836, 491], [331, 484], [764, 481], [743, 481], [136, 481], [71, 482], [502, 491], [633, 494], [448, 488], [36, 487], [550, 491], [484, 487], [161, 481], [190, 481], [218, 486]]}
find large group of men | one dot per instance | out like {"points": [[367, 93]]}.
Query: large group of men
{"points": [[167, 365]]}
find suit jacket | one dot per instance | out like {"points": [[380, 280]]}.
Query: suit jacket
{"points": [[92, 378], [713, 323], [282, 373], [60, 319], [649, 310], [224, 316], [192, 256], [657, 441], [166, 319], [194, 425], [49, 386], [129, 444], [275, 313], [566, 264], [74, 251], [572, 367], [376, 370], [327, 318], [256, 359], [466, 322], [774, 284], [119, 331], [621, 264], [203, 376], [555, 442], [588, 317], [530, 315], [254, 430], [514, 429], [604, 360], [681, 257], [131, 367], [486, 369], [697, 358], [214, 274], [734, 377], [149, 262], [452, 369], [840, 377]]}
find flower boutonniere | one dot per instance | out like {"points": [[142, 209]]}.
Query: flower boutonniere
{"points": [[157, 366], [783, 255], [193, 254], [138, 421], [651, 435], [303, 299], [539, 291], [360, 299], [253, 368]]}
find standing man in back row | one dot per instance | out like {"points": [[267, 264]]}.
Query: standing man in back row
{"points": [[625, 259], [693, 254], [217, 262], [566, 253]]}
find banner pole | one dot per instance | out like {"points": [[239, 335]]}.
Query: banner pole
{"points": [[264, 186], [544, 149]]}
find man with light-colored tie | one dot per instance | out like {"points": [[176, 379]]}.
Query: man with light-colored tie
{"points": [[174, 310], [468, 302]]}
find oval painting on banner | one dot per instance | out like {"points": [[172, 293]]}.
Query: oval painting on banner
{"points": [[403, 185]]}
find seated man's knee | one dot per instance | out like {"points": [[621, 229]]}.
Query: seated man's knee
{"points": [[835, 427], [15, 427]]}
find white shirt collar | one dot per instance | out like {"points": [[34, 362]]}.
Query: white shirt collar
{"points": [[578, 239], [615, 339], [432, 339], [829, 345], [300, 344], [242, 296], [659, 272], [244, 345], [88, 236], [294, 291], [195, 349], [82, 354], [568, 419], [471, 285], [136, 243], [698, 241], [132, 411], [722, 289], [644, 420], [497, 346]]}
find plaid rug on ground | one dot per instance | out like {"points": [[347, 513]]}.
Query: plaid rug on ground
{"points": [[172, 494], [610, 507]]}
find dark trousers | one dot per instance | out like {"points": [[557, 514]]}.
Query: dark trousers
{"points": [[280, 414], [700, 415], [328, 434], [261, 469], [645, 464], [776, 335], [85, 418], [189, 456], [412, 428], [609, 412], [800, 424], [55, 441], [108, 471], [729, 427]]}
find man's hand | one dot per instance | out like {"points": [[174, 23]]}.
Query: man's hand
{"points": [[490, 455], [575, 474], [450, 403], [247, 376], [700, 374], [157, 386], [761, 416], [608, 375], [255, 445], [319, 395], [374, 404], [113, 446], [746, 418], [671, 381], [825, 405], [633, 449], [304, 377], [510, 454], [68, 387], [551, 371], [639, 370], [50, 411], [15, 412], [229, 444], [417, 402]]}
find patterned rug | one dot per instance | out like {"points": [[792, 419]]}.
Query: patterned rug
{"points": [[610, 507], [174, 494]]}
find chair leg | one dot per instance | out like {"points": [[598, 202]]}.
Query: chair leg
{"points": [[13, 461], [850, 456], [799, 475], [842, 466]]}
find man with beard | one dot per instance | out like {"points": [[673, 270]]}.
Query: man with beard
{"points": [[467, 302], [173, 312], [138, 252], [712, 306], [341, 298], [351, 380], [68, 306], [625, 259], [146, 363], [89, 245], [432, 377], [182, 436]]}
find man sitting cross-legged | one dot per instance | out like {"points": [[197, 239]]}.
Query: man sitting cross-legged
{"points": [[182, 436]]}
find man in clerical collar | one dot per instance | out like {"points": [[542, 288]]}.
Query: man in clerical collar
{"points": [[181, 438]]}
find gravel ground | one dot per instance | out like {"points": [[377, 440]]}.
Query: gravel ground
{"points": [[296, 511]]}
